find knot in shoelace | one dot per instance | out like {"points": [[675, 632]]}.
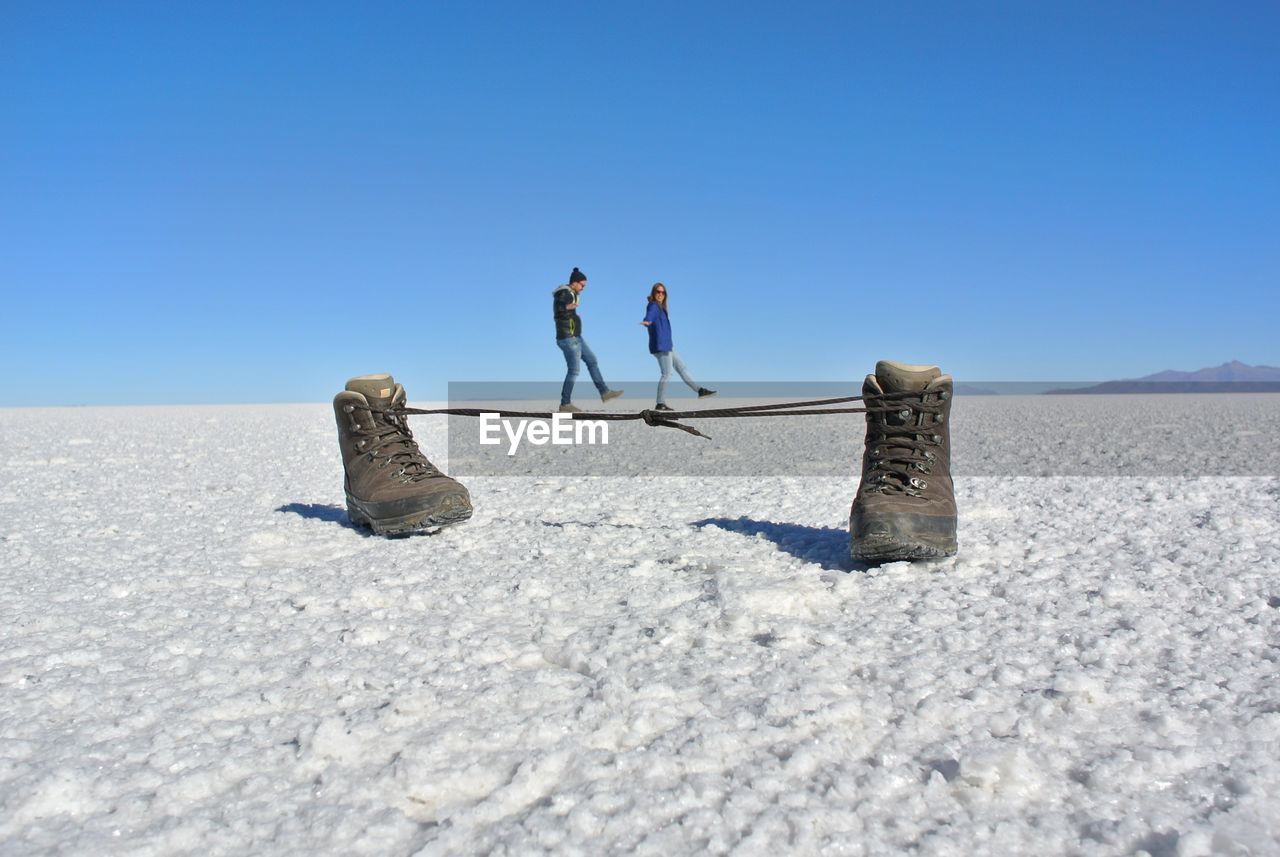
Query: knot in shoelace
{"points": [[903, 439], [390, 440]]}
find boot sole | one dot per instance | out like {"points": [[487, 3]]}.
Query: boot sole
{"points": [[422, 522], [899, 537]]}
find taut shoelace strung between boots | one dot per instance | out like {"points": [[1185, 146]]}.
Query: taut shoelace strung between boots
{"points": [[883, 403]]}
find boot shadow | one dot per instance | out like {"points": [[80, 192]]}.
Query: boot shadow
{"points": [[322, 512], [827, 547]]}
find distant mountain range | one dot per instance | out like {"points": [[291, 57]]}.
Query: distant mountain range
{"points": [[1233, 371], [1233, 377]]}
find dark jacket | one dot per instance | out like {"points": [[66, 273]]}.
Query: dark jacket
{"points": [[659, 328], [567, 321]]}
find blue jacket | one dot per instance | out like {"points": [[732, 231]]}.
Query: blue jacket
{"points": [[659, 328]]}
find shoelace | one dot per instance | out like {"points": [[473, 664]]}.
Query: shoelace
{"points": [[390, 438], [902, 455], [812, 407]]}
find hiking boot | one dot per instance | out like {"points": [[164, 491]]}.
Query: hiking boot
{"points": [[661, 407], [610, 394], [703, 392], [906, 506], [570, 409], [391, 486]]}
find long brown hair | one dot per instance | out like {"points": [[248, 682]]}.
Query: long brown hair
{"points": [[653, 295]]}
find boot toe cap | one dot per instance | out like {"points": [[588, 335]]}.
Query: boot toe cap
{"points": [[894, 536]]}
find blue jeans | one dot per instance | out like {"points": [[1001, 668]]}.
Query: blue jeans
{"points": [[575, 348], [667, 359]]}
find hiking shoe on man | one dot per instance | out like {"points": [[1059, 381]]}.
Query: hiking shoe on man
{"points": [[661, 407], [703, 392], [610, 394], [570, 409], [905, 507], [391, 486]]}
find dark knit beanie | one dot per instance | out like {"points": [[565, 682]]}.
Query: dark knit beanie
{"points": [[577, 277]]}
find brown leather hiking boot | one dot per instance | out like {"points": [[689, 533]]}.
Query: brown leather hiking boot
{"points": [[391, 486], [906, 505]]}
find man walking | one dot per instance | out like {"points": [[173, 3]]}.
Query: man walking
{"points": [[564, 302]]}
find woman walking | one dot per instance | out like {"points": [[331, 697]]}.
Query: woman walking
{"points": [[659, 324]]}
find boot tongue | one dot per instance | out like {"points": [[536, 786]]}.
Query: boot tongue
{"points": [[378, 390], [895, 377]]}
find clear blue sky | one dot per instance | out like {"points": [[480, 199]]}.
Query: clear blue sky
{"points": [[240, 202]]}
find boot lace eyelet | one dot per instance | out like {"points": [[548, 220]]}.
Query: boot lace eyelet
{"points": [[904, 414], [937, 438]]}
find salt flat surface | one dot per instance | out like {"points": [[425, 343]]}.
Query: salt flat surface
{"points": [[199, 655]]}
